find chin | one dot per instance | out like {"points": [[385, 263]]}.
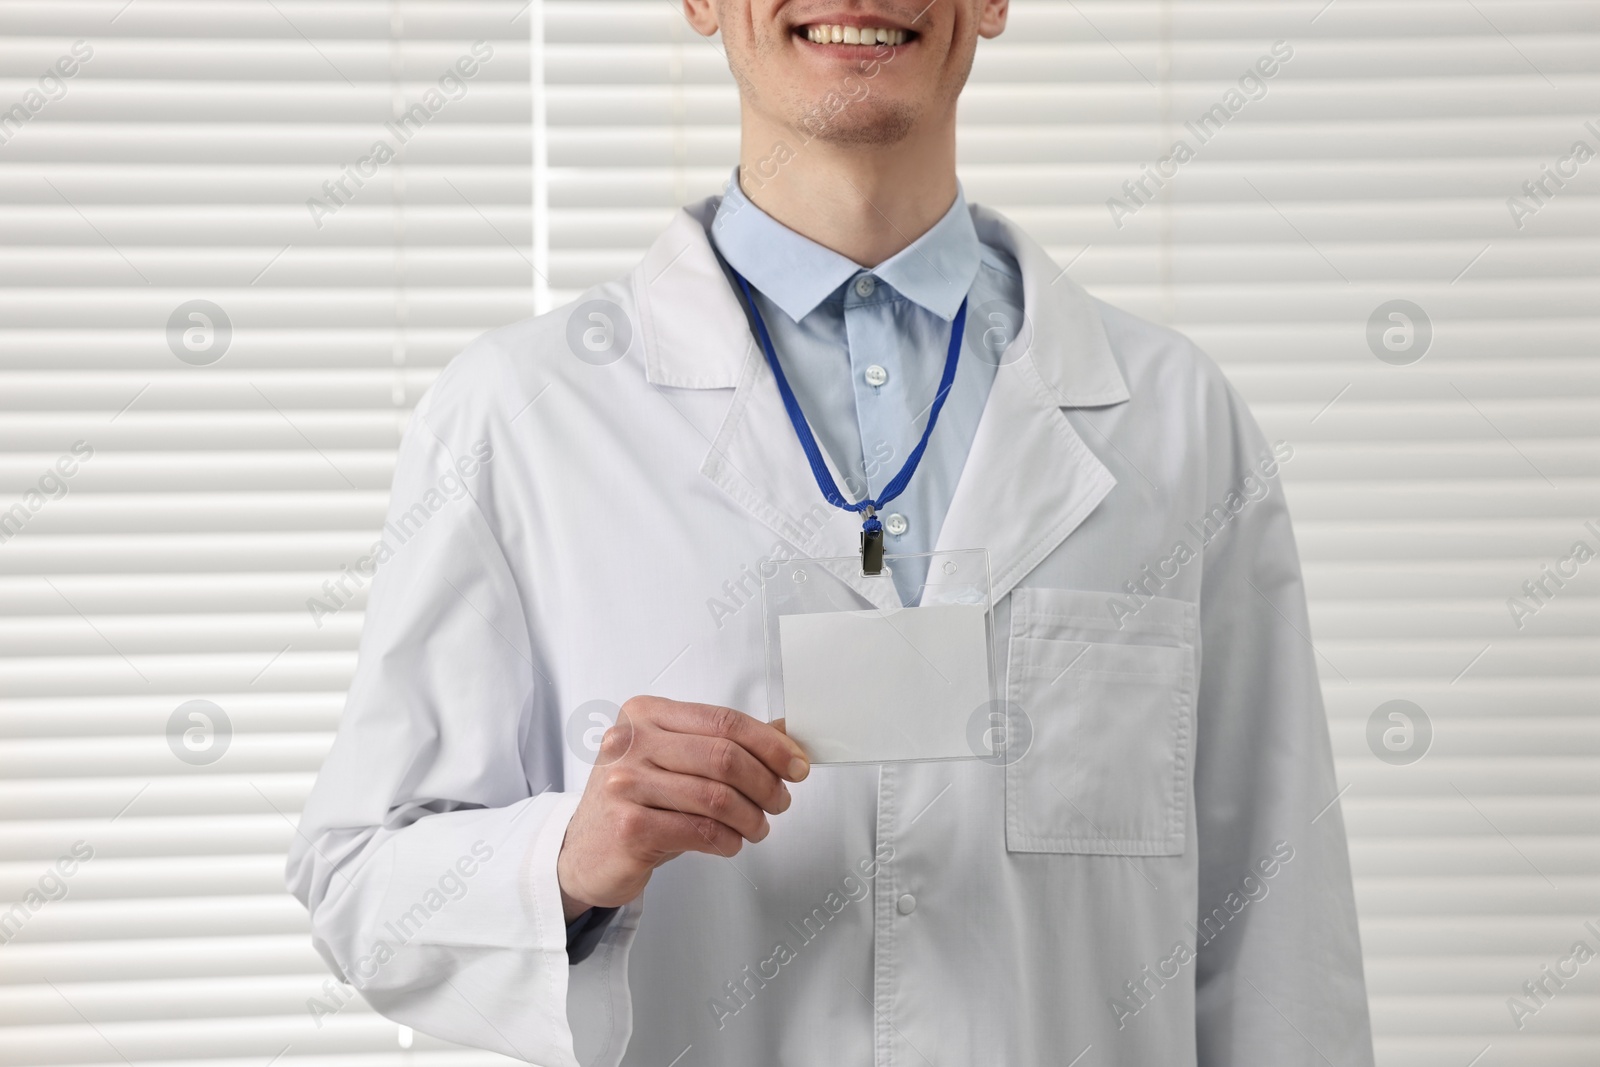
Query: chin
{"points": [[865, 122]]}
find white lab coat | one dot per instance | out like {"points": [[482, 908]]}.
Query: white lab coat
{"points": [[1162, 877]]}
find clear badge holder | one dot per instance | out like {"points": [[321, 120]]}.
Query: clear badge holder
{"points": [[858, 683]]}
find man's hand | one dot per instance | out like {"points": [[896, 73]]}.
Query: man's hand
{"points": [[672, 778]]}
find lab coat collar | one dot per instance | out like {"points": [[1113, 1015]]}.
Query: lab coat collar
{"points": [[695, 335], [1066, 339]]}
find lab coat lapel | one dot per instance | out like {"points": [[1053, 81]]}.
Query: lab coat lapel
{"points": [[757, 460], [1029, 479], [695, 335]]}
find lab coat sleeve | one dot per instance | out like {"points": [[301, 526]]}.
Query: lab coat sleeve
{"points": [[426, 853], [1280, 983]]}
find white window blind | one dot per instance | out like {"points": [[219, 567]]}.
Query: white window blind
{"points": [[1374, 165], [230, 466]]}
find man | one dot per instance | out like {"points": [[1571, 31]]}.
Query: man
{"points": [[1160, 878]]}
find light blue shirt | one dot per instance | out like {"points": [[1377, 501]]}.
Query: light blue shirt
{"points": [[864, 350]]}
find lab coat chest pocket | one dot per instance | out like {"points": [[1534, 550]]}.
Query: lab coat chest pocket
{"points": [[1111, 712]]}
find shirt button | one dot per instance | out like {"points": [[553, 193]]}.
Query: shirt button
{"points": [[896, 524], [876, 375], [865, 285], [906, 904]]}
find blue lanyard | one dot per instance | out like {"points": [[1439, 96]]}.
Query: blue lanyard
{"points": [[871, 527]]}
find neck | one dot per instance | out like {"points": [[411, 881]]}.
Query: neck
{"points": [[865, 202]]}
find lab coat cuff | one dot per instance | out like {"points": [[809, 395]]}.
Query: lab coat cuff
{"points": [[599, 1003], [469, 941]]}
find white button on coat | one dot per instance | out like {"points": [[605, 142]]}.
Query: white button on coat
{"points": [[906, 904], [865, 285], [876, 375], [895, 524], [581, 565]]}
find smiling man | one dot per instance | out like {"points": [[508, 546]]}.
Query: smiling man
{"points": [[555, 822]]}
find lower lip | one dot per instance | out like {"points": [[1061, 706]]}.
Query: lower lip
{"points": [[854, 51]]}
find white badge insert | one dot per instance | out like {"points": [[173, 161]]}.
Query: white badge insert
{"points": [[864, 684]]}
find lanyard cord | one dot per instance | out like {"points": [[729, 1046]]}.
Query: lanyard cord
{"points": [[819, 468]]}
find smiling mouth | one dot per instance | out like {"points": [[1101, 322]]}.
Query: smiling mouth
{"points": [[869, 36]]}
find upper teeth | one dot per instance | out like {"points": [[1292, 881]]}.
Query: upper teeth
{"points": [[854, 35]]}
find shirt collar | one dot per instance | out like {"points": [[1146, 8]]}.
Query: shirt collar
{"points": [[935, 271]]}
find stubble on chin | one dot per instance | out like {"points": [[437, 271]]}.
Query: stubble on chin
{"points": [[865, 124]]}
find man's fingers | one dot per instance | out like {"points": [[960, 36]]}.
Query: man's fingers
{"points": [[772, 747], [782, 726], [661, 834], [721, 759], [688, 794]]}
